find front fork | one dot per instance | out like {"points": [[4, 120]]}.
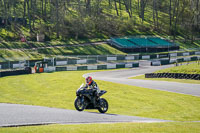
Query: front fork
{"points": [[82, 99]]}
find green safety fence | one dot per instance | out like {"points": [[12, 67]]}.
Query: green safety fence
{"points": [[120, 65], [100, 67], [61, 68], [82, 68]]}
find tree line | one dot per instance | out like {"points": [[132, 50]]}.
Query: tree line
{"points": [[93, 18]]}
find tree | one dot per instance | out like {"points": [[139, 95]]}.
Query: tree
{"points": [[142, 8]]}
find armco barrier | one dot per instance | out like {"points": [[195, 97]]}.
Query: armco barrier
{"points": [[186, 54], [173, 54], [98, 67], [83, 61], [16, 72], [194, 58], [197, 53], [128, 65], [122, 65], [71, 68], [61, 63], [163, 55], [173, 75], [192, 53], [164, 61], [82, 68], [92, 67], [187, 59], [136, 64], [146, 57], [155, 63], [153, 56], [61, 68], [130, 57], [111, 66], [111, 58], [93, 59], [180, 60], [179, 54], [72, 61], [122, 57], [102, 58]]}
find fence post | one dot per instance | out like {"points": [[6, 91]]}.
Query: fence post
{"points": [[97, 58], [87, 59], [9, 65], [53, 61]]}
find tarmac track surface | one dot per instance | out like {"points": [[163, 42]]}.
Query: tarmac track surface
{"points": [[12, 115], [121, 76]]}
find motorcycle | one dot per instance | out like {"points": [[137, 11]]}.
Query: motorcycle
{"points": [[84, 100]]}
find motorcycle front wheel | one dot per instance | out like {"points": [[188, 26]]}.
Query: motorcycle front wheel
{"points": [[103, 105], [78, 104]]}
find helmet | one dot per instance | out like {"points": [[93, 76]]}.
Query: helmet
{"points": [[88, 80]]}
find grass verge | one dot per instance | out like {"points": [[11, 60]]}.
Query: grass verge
{"points": [[58, 90], [178, 127], [193, 68]]}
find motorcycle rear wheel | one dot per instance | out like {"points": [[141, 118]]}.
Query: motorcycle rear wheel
{"points": [[78, 104], [103, 105]]}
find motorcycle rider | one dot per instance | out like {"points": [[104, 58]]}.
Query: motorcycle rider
{"points": [[94, 89]]}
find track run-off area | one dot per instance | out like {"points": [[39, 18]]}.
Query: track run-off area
{"points": [[25, 115]]}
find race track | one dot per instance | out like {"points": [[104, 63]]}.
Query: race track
{"points": [[121, 76], [24, 115], [12, 115]]}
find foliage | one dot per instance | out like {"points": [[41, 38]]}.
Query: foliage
{"points": [[66, 19]]}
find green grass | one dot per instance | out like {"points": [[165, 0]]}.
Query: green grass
{"points": [[58, 90], [82, 50], [110, 128], [10, 54], [193, 68], [31, 44]]}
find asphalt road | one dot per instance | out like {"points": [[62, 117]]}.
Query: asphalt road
{"points": [[21, 115], [121, 76], [12, 115]]}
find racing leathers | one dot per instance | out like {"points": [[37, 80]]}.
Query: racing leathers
{"points": [[94, 91]]}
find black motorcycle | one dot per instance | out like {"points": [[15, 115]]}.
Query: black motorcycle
{"points": [[84, 100]]}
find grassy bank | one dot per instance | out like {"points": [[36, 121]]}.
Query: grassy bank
{"points": [[177, 127], [21, 54], [58, 90], [193, 68]]}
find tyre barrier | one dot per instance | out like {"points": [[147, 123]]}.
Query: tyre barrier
{"points": [[27, 70], [173, 75]]}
